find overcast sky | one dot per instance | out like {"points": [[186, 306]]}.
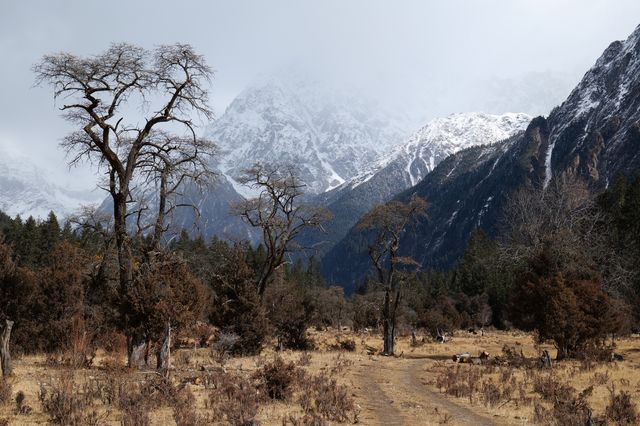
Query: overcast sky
{"points": [[428, 55]]}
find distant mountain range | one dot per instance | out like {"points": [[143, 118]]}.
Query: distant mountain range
{"points": [[406, 165], [594, 135], [29, 190], [330, 136]]}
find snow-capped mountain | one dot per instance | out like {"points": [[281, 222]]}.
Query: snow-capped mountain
{"points": [[595, 133], [407, 164], [330, 136], [442, 137], [28, 190], [593, 136]]}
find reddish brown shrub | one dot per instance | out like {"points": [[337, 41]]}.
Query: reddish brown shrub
{"points": [[621, 411], [277, 378]]}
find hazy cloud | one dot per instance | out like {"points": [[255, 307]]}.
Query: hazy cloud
{"points": [[429, 57]]}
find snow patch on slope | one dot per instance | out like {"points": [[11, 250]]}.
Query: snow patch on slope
{"points": [[329, 136], [441, 137]]}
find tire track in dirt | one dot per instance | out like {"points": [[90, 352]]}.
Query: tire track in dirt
{"points": [[401, 386], [459, 413], [375, 402]]}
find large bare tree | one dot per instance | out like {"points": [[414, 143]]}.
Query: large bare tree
{"points": [[563, 218], [386, 223], [134, 109], [278, 210]]}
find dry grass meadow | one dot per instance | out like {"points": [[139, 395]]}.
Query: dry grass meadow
{"points": [[421, 386]]}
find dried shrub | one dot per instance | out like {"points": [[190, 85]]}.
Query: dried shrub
{"points": [[135, 415], [491, 394], [305, 420], [551, 389], [65, 404], [277, 378], [459, 382], [348, 345], [601, 378], [80, 350], [5, 391], [340, 363], [184, 410], [621, 411], [304, 360], [21, 406], [225, 344], [112, 342], [321, 397], [568, 408], [512, 356], [231, 397]]}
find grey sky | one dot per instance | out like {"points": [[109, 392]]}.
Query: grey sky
{"points": [[429, 56]]}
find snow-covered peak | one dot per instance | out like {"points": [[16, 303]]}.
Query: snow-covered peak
{"points": [[28, 190], [604, 101], [442, 137], [330, 136]]}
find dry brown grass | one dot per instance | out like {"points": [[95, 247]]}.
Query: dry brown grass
{"points": [[440, 391]]}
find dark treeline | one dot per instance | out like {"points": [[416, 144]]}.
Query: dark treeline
{"points": [[565, 267], [60, 287]]}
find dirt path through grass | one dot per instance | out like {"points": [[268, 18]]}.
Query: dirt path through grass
{"points": [[391, 392], [459, 414], [376, 406]]}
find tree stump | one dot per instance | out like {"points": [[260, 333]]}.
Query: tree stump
{"points": [[5, 355]]}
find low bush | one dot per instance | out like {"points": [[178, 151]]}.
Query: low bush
{"points": [[21, 405], [321, 397], [5, 391], [568, 408], [277, 378], [231, 397], [621, 411], [65, 404]]}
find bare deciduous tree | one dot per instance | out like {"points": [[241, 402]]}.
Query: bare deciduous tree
{"points": [[103, 95], [564, 218], [387, 222], [279, 212]]}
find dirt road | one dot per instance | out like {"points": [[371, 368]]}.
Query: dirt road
{"points": [[393, 392]]}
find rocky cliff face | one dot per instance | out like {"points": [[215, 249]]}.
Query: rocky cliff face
{"points": [[593, 135]]}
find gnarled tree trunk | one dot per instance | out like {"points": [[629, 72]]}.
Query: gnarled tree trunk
{"points": [[5, 355], [387, 324], [136, 351], [164, 354]]}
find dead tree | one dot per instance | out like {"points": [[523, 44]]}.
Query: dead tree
{"points": [[279, 212], [5, 354], [100, 92], [387, 223]]}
